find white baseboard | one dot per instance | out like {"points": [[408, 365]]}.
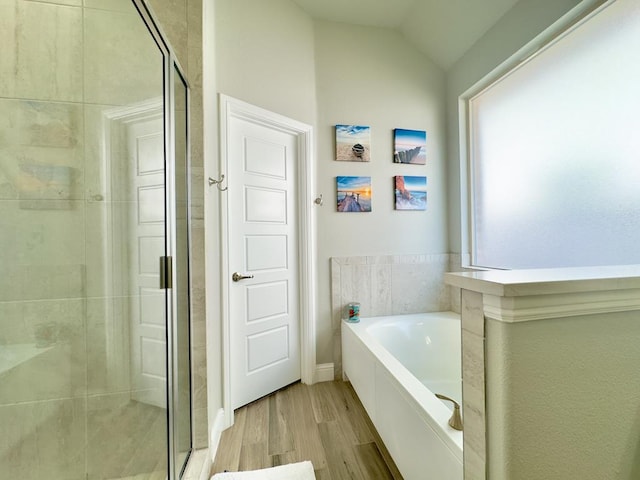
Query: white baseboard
{"points": [[323, 373], [216, 433]]}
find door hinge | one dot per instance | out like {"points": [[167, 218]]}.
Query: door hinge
{"points": [[166, 273]]}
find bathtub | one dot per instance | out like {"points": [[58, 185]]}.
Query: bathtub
{"points": [[396, 364]]}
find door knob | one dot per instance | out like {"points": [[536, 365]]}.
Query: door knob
{"points": [[236, 277]]}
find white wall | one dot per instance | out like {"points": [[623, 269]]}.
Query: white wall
{"points": [[372, 76], [264, 56], [515, 29]]}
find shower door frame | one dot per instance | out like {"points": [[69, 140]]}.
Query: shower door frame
{"points": [[171, 64]]}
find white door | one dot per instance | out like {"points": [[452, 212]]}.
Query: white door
{"points": [[263, 246], [146, 242]]}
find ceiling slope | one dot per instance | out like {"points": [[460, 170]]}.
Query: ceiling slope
{"points": [[441, 29]]}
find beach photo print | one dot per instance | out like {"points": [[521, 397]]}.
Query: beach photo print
{"points": [[353, 143], [410, 146], [411, 192], [353, 194]]}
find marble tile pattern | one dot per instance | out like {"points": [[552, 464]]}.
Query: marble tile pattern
{"points": [[473, 385], [114, 73], [109, 5], [43, 439], [173, 18], [193, 65], [386, 285], [43, 67]]}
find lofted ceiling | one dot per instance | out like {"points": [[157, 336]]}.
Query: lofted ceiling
{"points": [[441, 29]]}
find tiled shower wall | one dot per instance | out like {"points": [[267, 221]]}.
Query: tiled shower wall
{"points": [[389, 285], [56, 83], [53, 92]]}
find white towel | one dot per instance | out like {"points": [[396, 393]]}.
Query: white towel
{"points": [[292, 471]]}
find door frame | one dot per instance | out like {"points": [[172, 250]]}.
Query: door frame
{"points": [[230, 107]]}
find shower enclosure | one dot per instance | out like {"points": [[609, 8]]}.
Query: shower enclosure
{"points": [[94, 245]]}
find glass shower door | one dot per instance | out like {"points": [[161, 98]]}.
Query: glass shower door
{"points": [[127, 429], [83, 221]]}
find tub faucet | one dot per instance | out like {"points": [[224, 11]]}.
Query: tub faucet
{"points": [[455, 421]]}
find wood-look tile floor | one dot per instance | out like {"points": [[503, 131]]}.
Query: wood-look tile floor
{"points": [[324, 423]]}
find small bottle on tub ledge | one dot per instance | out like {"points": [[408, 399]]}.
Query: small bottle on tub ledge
{"points": [[353, 310]]}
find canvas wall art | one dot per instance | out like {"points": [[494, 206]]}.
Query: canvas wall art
{"points": [[353, 143], [411, 192], [410, 146], [353, 194]]}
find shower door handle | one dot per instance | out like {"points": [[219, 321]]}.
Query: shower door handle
{"points": [[236, 277], [166, 273]]}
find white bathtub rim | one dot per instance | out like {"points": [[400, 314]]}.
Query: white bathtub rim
{"points": [[439, 414]]}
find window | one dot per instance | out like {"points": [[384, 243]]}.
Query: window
{"points": [[555, 151]]}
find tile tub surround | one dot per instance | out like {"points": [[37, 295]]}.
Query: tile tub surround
{"points": [[473, 384], [388, 285], [542, 351]]}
